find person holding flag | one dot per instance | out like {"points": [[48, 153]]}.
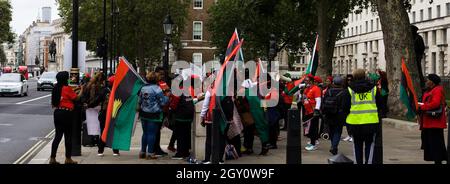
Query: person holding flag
{"points": [[311, 103]]}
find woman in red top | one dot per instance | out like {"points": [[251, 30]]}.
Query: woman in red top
{"points": [[433, 127], [63, 98]]}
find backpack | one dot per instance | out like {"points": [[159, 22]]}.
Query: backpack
{"points": [[231, 153], [330, 104]]}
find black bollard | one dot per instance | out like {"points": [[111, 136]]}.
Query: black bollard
{"points": [[293, 147], [215, 137], [378, 148]]}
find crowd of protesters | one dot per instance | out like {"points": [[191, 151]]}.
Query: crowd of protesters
{"points": [[357, 101]]}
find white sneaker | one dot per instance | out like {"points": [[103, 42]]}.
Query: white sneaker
{"points": [[346, 138], [310, 147], [100, 154], [116, 155], [351, 139], [317, 142]]}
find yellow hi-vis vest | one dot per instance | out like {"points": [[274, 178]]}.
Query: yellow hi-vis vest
{"points": [[364, 108]]}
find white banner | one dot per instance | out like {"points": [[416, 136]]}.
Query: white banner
{"points": [[81, 56]]}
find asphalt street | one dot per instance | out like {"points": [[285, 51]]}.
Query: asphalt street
{"points": [[24, 121]]}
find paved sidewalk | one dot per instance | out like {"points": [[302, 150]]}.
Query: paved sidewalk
{"points": [[401, 146]]}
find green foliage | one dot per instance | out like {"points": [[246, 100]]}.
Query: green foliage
{"points": [[5, 18], [289, 20], [2, 56], [140, 22]]}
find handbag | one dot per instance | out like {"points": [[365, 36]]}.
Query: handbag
{"points": [[435, 113]]}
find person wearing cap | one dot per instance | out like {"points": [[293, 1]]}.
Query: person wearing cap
{"points": [[433, 120], [333, 112], [311, 103], [361, 103]]}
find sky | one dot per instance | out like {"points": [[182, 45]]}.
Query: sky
{"points": [[26, 11]]}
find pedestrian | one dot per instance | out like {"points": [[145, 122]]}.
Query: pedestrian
{"points": [[274, 114], [166, 89], [102, 117], [347, 82], [433, 120], [333, 112], [63, 98], [419, 48], [311, 103], [286, 104], [361, 105], [151, 102], [183, 109], [93, 95]]}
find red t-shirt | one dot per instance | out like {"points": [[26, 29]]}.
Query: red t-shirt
{"points": [[67, 98], [311, 93]]}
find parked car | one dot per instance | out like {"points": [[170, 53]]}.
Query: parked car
{"points": [[13, 84], [46, 81]]}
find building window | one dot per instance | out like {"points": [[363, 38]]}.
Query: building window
{"points": [[448, 9], [367, 26], [371, 25], [429, 13], [413, 17], [433, 37], [421, 15], [197, 58], [438, 10], [356, 49], [370, 46], [378, 23], [444, 36], [198, 30], [356, 29], [356, 16], [425, 37], [352, 32], [198, 4]]}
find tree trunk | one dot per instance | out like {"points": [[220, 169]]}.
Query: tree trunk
{"points": [[328, 28], [398, 41]]}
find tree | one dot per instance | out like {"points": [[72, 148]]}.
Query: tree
{"points": [[398, 44], [2, 56], [289, 20], [141, 29], [5, 18]]}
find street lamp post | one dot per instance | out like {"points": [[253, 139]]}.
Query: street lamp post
{"points": [[168, 26], [75, 73]]}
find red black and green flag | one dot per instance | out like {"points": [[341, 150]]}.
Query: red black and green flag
{"points": [[120, 115], [314, 63], [407, 93]]}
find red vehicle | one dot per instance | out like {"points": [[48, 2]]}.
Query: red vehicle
{"points": [[24, 71], [7, 69]]}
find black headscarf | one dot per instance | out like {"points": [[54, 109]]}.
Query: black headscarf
{"points": [[434, 78], [62, 78]]}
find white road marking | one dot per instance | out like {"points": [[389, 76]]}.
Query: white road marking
{"points": [[5, 124], [4, 140], [34, 99], [33, 149]]}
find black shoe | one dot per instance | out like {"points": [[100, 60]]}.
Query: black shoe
{"points": [[333, 151], [248, 152], [160, 153], [264, 151], [272, 146]]}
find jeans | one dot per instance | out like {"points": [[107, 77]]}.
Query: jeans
{"points": [[149, 136], [335, 135]]}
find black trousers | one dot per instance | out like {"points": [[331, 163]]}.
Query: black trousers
{"points": [[183, 133], [208, 143], [101, 145], [249, 136], [314, 130], [236, 142], [274, 128], [158, 139], [173, 138], [63, 127], [364, 142]]}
